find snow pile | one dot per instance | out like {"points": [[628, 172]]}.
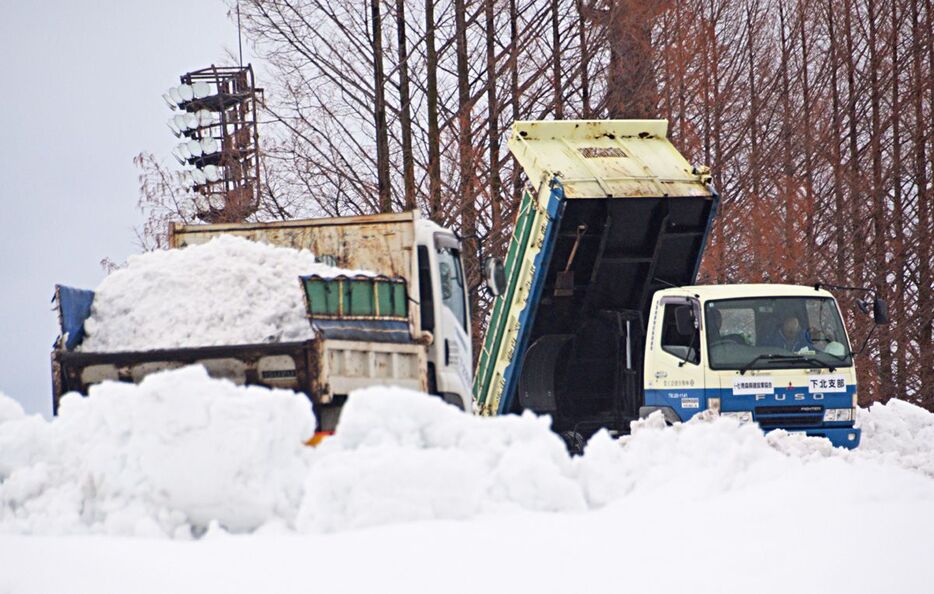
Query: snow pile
{"points": [[400, 455], [165, 457], [227, 291], [182, 451], [716, 459], [898, 432], [10, 409]]}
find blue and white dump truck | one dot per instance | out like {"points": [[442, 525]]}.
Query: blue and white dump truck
{"points": [[407, 327], [599, 321]]}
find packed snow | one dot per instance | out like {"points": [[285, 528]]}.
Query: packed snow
{"points": [[215, 487], [227, 291], [163, 458], [899, 433], [180, 451]]}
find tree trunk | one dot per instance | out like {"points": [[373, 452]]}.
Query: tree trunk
{"points": [[434, 135], [632, 91], [405, 109], [878, 203], [788, 190], [379, 112], [925, 249], [496, 223], [841, 219], [466, 191], [584, 62], [556, 62], [810, 248], [514, 91], [901, 270]]}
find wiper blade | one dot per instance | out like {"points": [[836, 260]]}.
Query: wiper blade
{"points": [[768, 357], [818, 363], [778, 357]]}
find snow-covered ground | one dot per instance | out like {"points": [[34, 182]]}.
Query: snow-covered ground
{"points": [[185, 483], [226, 291]]}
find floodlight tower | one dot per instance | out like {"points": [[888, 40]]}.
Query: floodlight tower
{"points": [[217, 118]]}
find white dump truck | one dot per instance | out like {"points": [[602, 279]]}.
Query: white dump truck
{"points": [[407, 326]]}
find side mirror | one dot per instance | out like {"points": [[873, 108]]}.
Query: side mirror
{"points": [[684, 320], [494, 275], [880, 312]]}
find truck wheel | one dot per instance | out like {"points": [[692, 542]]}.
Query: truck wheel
{"points": [[574, 442]]}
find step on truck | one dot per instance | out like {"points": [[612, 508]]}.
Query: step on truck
{"points": [[407, 327], [600, 322]]}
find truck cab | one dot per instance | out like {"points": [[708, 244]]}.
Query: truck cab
{"points": [[777, 355], [444, 313]]}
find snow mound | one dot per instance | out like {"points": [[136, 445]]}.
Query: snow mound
{"points": [[182, 453], [227, 291], [165, 457], [400, 455], [715, 459], [10, 409], [898, 432]]}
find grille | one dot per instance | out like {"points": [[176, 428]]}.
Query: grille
{"points": [[807, 415], [771, 422], [786, 410]]}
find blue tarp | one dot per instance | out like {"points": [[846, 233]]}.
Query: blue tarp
{"points": [[74, 307]]}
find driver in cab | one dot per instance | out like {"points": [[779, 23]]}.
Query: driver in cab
{"points": [[790, 336]]}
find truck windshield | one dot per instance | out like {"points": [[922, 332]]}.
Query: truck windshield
{"points": [[775, 332]]}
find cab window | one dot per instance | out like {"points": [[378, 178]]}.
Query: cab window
{"points": [[452, 283], [685, 347]]}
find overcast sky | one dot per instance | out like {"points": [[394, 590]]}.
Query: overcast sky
{"points": [[81, 85]]}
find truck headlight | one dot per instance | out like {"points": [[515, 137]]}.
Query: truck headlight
{"points": [[743, 416], [838, 414]]}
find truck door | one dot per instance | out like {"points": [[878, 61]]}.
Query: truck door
{"points": [[674, 374], [455, 375]]}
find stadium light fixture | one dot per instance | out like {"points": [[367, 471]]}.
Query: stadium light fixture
{"points": [[206, 118], [194, 148], [174, 128], [186, 92], [174, 96], [217, 144], [209, 145], [185, 121], [213, 173], [182, 151], [200, 90]]}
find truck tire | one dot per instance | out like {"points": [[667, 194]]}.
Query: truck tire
{"points": [[574, 442]]}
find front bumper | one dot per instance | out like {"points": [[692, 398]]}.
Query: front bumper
{"points": [[840, 437]]}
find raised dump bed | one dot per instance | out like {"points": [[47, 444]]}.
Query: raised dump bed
{"points": [[614, 213]]}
